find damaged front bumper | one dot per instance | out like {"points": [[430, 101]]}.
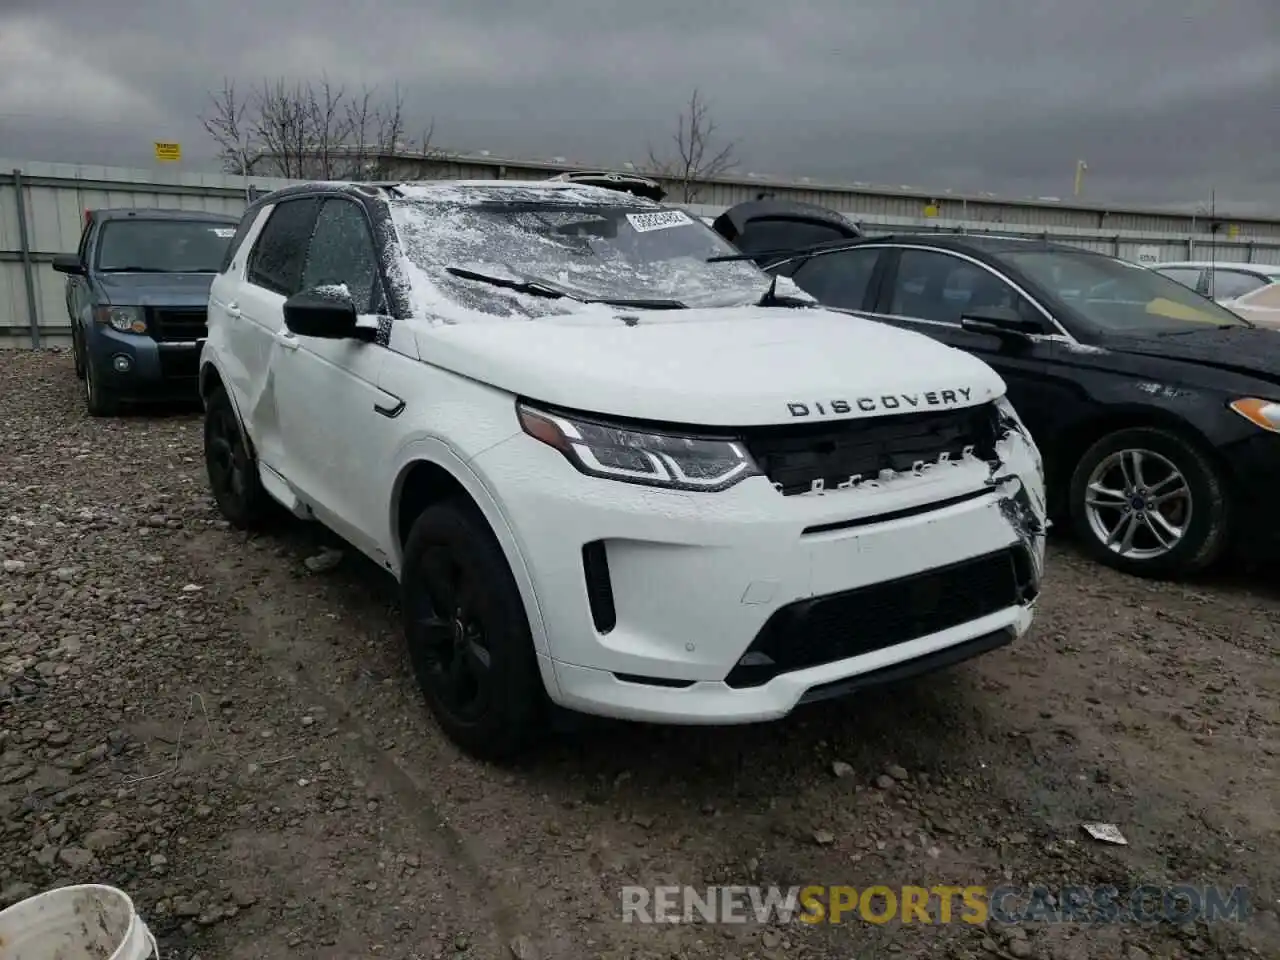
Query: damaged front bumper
{"points": [[735, 607]]}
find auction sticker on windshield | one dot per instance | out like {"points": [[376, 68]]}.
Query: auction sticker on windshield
{"points": [[644, 222], [223, 232]]}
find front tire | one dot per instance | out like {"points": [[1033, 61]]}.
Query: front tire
{"points": [[99, 400], [232, 467], [468, 634], [77, 353], [1147, 502]]}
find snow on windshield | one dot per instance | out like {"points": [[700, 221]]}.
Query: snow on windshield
{"points": [[579, 241]]}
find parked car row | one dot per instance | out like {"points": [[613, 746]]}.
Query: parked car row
{"points": [[630, 464]]}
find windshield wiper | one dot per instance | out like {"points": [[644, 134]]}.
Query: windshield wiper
{"points": [[544, 288], [133, 270], [521, 286], [642, 304]]}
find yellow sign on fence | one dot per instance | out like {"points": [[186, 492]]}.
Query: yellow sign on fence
{"points": [[168, 152], [931, 210]]}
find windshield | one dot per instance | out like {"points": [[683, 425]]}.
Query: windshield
{"points": [[637, 254], [163, 246], [1121, 297]]}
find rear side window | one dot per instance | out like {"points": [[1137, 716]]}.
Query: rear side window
{"points": [[242, 231], [1226, 284], [277, 258]]}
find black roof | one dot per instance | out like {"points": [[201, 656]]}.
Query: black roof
{"points": [[151, 213]]}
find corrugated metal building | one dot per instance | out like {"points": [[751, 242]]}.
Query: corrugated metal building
{"points": [[900, 205]]}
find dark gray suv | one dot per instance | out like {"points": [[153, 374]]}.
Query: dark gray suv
{"points": [[137, 295]]}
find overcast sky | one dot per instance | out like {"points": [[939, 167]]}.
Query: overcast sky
{"points": [[1164, 103]]}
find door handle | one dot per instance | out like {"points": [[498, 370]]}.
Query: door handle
{"points": [[286, 340], [233, 311]]}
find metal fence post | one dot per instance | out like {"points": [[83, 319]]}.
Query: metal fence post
{"points": [[24, 250]]}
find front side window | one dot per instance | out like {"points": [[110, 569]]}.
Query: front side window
{"points": [[569, 251], [276, 261], [941, 288], [1121, 297], [839, 279], [341, 253], [1189, 277], [138, 245]]}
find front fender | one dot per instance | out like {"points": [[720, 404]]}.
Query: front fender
{"points": [[435, 451]]}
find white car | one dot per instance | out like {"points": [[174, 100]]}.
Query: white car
{"points": [[1225, 281], [607, 473]]}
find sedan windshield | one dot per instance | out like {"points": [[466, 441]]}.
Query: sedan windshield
{"points": [[493, 256], [1120, 297], [163, 246]]}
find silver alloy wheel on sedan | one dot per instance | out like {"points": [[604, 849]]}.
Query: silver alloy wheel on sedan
{"points": [[1138, 504]]}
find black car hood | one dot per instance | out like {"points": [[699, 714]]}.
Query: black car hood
{"points": [[1251, 351]]}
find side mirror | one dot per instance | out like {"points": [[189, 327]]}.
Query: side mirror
{"points": [[69, 263], [324, 313], [1003, 322]]}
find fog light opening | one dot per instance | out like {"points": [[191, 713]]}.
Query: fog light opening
{"points": [[121, 363]]}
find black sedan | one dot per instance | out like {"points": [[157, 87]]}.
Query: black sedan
{"points": [[1156, 410]]}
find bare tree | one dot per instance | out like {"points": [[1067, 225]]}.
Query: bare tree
{"points": [[317, 131], [225, 122], [696, 158]]}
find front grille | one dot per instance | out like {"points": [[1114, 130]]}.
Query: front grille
{"points": [[808, 633], [174, 325], [798, 458]]}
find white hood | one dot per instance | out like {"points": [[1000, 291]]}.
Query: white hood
{"points": [[718, 367]]}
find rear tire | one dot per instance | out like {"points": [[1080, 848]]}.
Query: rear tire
{"points": [[468, 635], [232, 467], [1156, 488]]}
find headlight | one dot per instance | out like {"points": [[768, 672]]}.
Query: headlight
{"points": [[1262, 413], [124, 319], [623, 453]]}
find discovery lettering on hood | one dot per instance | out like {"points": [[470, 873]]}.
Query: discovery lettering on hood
{"points": [[889, 401]]}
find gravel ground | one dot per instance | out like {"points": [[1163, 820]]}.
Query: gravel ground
{"points": [[231, 736]]}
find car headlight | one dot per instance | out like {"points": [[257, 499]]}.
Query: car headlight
{"points": [[124, 319], [618, 452], [1262, 413]]}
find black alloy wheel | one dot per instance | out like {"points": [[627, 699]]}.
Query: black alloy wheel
{"points": [[468, 634], [232, 468]]}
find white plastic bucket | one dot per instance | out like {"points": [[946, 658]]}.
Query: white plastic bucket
{"points": [[88, 921]]}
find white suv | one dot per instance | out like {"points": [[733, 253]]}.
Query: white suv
{"points": [[609, 470]]}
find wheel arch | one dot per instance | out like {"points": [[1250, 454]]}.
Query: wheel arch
{"points": [[1079, 437], [429, 472], [210, 379]]}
